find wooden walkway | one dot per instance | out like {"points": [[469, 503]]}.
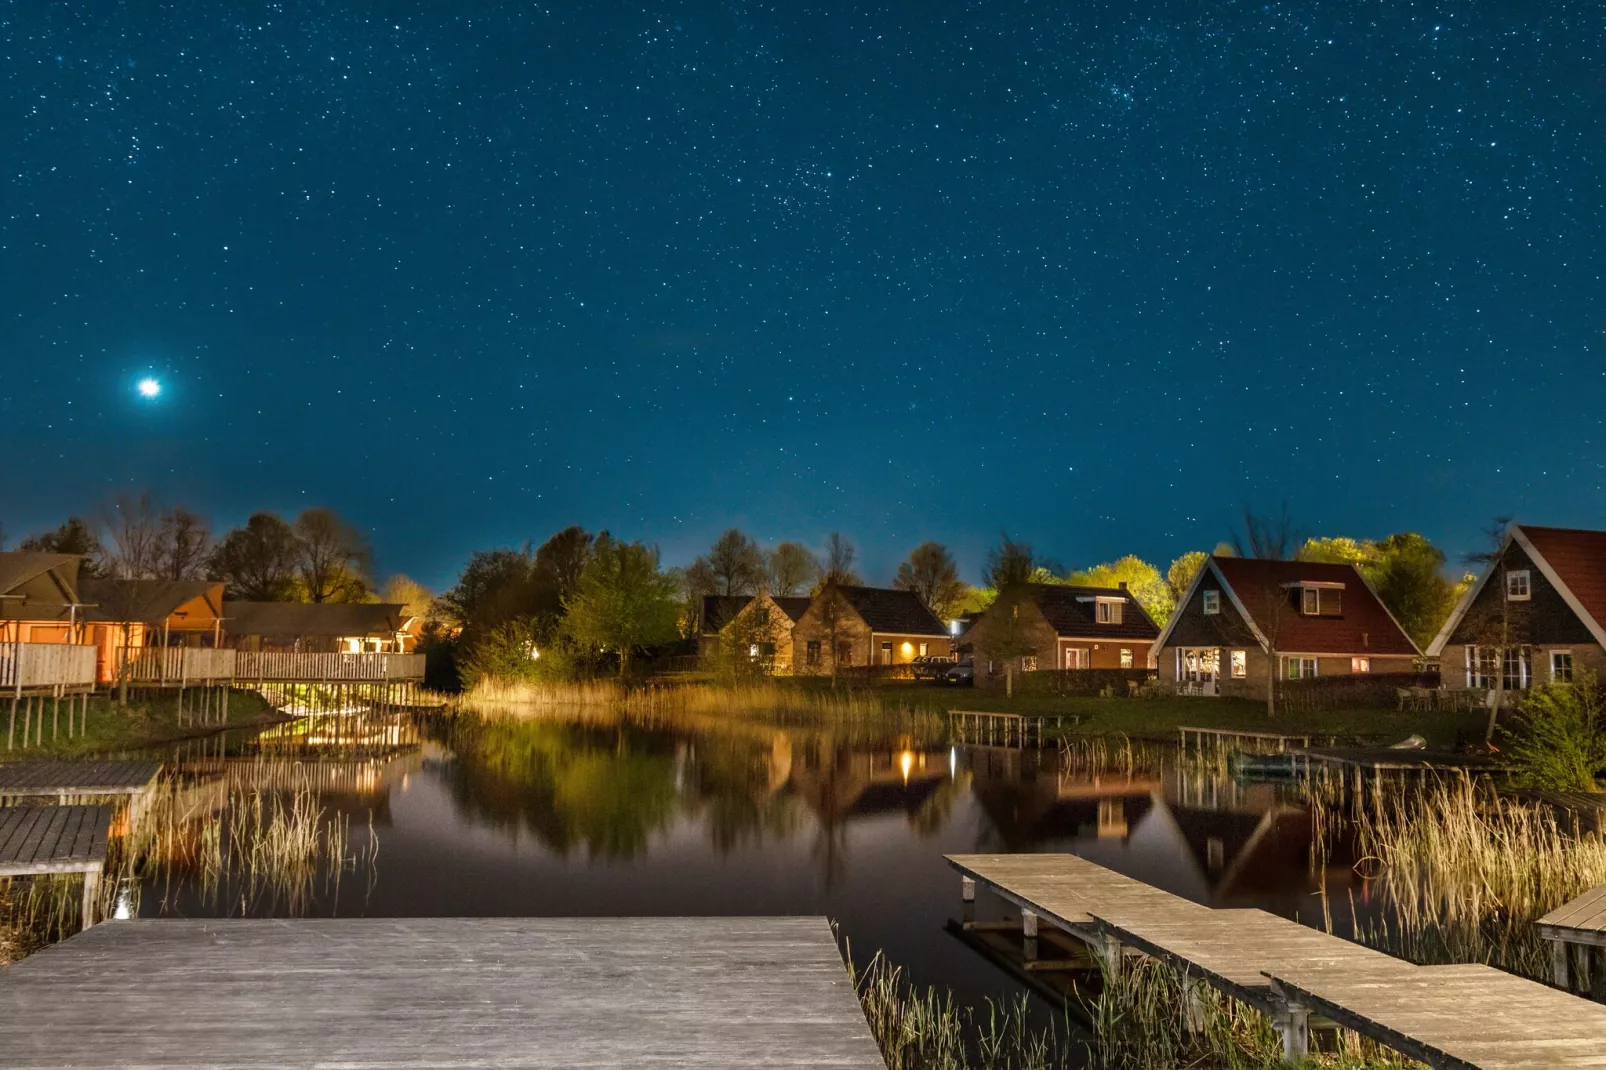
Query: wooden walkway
{"points": [[467, 993], [76, 779], [40, 840], [1446, 1016], [1577, 935]]}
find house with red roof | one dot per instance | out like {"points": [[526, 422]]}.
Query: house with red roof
{"points": [[1535, 616], [1245, 621], [1066, 627], [856, 627]]}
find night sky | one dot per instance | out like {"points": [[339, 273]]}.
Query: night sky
{"points": [[1097, 273]]}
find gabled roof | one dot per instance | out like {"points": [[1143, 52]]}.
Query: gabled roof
{"points": [[892, 611], [1071, 611], [1572, 559], [793, 607], [145, 601], [1255, 586], [309, 620], [720, 609], [17, 567]]}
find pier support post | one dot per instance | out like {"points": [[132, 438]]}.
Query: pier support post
{"points": [[967, 889], [1193, 1010], [1114, 957], [1558, 964], [1028, 930], [91, 897], [1294, 1026]]}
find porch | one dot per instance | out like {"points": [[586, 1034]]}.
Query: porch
{"points": [[176, 666], [285, 667]]}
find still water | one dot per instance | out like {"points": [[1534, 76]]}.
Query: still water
{"points": [[600, 815]]}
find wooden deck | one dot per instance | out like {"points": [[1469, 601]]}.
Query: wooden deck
{"points": [[1389, 760], [41, 840], [1577, 935], [1454, 1016], [459, 992], [76, 779]]}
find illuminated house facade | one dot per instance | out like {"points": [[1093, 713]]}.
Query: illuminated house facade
{"points": [[856, 627], [1535, 615], [1067, 627], [150, 613], [1315, 620], [320, 628], [39, 599], [758, 627]]}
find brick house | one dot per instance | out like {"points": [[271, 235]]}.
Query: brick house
{"points": [[1548, 589], [853, 627], [1316, 619], [1068, 627], [762, 623]]}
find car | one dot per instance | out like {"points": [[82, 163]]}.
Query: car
{"points": [[961, 675], [930, 667]]}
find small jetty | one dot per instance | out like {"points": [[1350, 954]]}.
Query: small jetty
{"points": [[985, 729], [1577, 935], [1444, 1016], [71, 781], [40, 840], [702, 993]]}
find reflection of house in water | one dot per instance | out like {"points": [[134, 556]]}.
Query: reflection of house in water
{"points": [[1030, 800], [840, 783]]}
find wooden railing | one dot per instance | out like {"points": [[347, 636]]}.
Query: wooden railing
{"points": [[282, 667], [37, 666], [176, 665]]}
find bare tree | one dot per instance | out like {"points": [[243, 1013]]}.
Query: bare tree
{"points": [[1269, 538], [1497, 625], [792, 568], [736, 564], [837, 568], [1009, 564], [133, 546], [930, 572], [332, 557], [186, 542]]}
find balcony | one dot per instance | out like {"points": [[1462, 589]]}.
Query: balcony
{"points": [[45, 668], [176, 666], [282, 667]]}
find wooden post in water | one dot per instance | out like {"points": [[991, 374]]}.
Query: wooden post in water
{"points": [[91, 894], [1294, 1026]]}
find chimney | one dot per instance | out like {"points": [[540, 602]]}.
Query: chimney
{"points": [[1122, 585]]}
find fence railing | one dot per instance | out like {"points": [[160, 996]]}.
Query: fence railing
{"points": [[37, 666], [285, 667], [176, 665]]}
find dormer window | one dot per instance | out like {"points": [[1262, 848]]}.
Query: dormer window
{"points": [[1319, 599], [1517, 586], [1310, 601], [1212, 603], [1108, 611]]}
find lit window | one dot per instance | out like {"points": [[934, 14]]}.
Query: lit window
{"points": [[1126, 658], [1561, 666], [1240, 664], [1075, 657], [1028, 664], [1360, 664], [922, 649], [1212, 603], [1312, 601], [1109, 612], [1301, 668], [1517, 589]]}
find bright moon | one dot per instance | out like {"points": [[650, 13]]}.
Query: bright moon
{"points": [[149, 388]]}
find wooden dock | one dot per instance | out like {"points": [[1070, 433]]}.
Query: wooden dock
{"points": [[1444, 1016], [75, 780], [704, 993], [1577, 934], [40, 840], [983, 728]]}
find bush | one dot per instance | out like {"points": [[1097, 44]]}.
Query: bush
{"points": [[1559, 742], [1068, 683], [509, 653]]}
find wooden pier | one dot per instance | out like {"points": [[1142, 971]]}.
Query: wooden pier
{"points": [[703, 993], [74, 781], [1001, 729], [41, 840], [1444, 1016], [1222, 740], [1577, 935]]}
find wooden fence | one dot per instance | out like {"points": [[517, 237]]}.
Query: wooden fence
{"points": [[175, 666], [253, 666], [37, 667]]}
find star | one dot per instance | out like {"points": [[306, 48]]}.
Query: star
{"points": [[149, 388]]}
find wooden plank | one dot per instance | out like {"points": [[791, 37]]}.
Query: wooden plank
{"points": [[702, 993], [36, 840], [66, 778], [1582, 909]]}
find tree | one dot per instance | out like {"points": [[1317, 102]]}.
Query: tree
{"points": [[75, 536], [1009, 564], [332, 557], [792, 568], [560, 560], [735, 564], [837, 569], [412, 596], [1340, 550], [624, 600], [1497, 626], [186, 541], [134, 530], [1142, 580], [930, 572], [495, 586], [1182, 571], [258, 561], [1008, 639], [1269, 538], [1406, 570]]}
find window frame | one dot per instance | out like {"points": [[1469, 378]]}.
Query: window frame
{"points": [[1525, 578], [1359, 664], [1239, 660], [811, 652], [1106, 611], [1212, 603], [1566, 676], [1310, 601], [1128, 659]]}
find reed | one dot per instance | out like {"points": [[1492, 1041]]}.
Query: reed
{"points": [[492, 692]]}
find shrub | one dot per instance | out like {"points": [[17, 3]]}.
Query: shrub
{"points": [[509, 653], [1560, 742]]}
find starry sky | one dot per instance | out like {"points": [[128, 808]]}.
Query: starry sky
{"points": [[1099, 274]]}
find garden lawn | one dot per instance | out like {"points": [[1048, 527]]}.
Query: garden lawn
{"points": [[146, 722]]}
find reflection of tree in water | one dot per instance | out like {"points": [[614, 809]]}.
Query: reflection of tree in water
{"points": [[608, 788], [738, 783]]}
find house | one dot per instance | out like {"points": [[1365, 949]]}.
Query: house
{"points": [[326, 627], [1315, 619], [1539, 611], [760, 626], [39, 599], [853, 627], [1065, 627], [132, 614]]}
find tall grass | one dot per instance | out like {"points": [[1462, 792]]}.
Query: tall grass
{"points": [[1464, 871], [493, 692]]}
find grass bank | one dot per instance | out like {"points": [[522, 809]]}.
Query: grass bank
{"points": [[145, 722]]}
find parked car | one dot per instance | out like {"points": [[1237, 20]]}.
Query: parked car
{"points": [[931, 667], [961, 675]]}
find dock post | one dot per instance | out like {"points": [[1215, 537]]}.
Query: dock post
{"points": [[1028, 924], [1558, 963], [967, 889], [1114, 957], [1294, 1025], [91, 894], [1193, 1011]]}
